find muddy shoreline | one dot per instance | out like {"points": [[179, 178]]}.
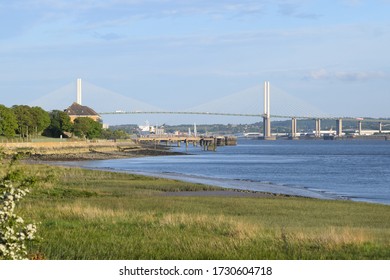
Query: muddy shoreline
{"points": [[96, 155], [81, 151], [92, 152]]}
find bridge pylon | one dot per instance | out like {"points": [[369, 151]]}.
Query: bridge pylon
{"points": [[267, 115]]}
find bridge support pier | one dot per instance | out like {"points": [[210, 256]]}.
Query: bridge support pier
{"points": [[380, 127], [360, 127], [339, 127], [267, 128], [318, 128]]}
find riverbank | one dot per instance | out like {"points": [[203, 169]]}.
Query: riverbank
{"points": [[102, 215], [319, 169], [75, 152], [83, 150], [91, 214]]}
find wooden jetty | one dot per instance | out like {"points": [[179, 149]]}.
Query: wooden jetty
{"points": [[209, 143]]}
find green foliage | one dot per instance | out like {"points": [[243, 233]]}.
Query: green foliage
{"points": [[30, 121], [41, 119], [87, 128], [106, 215], [127, 128], [59, 123], [114, 134], [8, 122], [24, 119], [56, 193]]}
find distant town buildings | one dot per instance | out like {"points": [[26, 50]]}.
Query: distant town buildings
{"points": [[149, 129]]}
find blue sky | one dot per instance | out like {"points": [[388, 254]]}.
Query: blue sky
{"points": [[179, 54]]}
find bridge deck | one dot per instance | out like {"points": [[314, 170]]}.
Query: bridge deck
{"points": [[345, 118]]}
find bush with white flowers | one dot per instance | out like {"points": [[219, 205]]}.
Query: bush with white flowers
{"points": [[14, 232]]}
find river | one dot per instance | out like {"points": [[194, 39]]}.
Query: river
{"points": [[352, 169]]}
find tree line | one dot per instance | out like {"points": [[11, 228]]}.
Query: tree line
{"points": [[28, 122]]}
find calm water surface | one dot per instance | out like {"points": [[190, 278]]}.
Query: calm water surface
{"points": [[357, 170]]}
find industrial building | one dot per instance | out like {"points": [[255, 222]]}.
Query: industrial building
{"points": [[77, 110]]}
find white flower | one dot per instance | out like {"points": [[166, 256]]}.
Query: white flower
{"points": [[13, 232], [21, 236]]}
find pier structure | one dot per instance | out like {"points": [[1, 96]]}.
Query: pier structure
{"points": [[367, 132], [360, 127], [208, 143], [318, 128], [294, 129], [339, 127]]}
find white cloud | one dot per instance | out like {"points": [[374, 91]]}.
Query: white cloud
{"points": [[293, 10], [323, 74], [318, 74]]}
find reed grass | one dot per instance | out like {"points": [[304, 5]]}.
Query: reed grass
{"points": [[88, 214]]}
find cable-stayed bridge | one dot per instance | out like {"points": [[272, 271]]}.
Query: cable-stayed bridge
{"points": [[120, 112], [245, 103], [256, 103]]}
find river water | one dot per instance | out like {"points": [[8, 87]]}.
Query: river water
{"points": [[351, 169]]}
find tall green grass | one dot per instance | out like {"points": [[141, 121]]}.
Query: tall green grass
{"points": [[88, 214]]}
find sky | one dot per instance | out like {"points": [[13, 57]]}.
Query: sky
{"points": [[179, 54]]}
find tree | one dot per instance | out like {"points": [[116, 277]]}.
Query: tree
{"points": [[24, 119], [8, 122], [30, 120], [87, 128], [114, 134], [41, 119], [59, 123]]}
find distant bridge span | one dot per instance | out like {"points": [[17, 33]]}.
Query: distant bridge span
{"points": [[178, 113], [240, 115]]}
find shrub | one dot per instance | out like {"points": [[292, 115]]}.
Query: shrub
{"points": [[14, 231]]}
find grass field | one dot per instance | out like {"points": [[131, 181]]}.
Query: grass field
{"points": [[86, 214]]}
